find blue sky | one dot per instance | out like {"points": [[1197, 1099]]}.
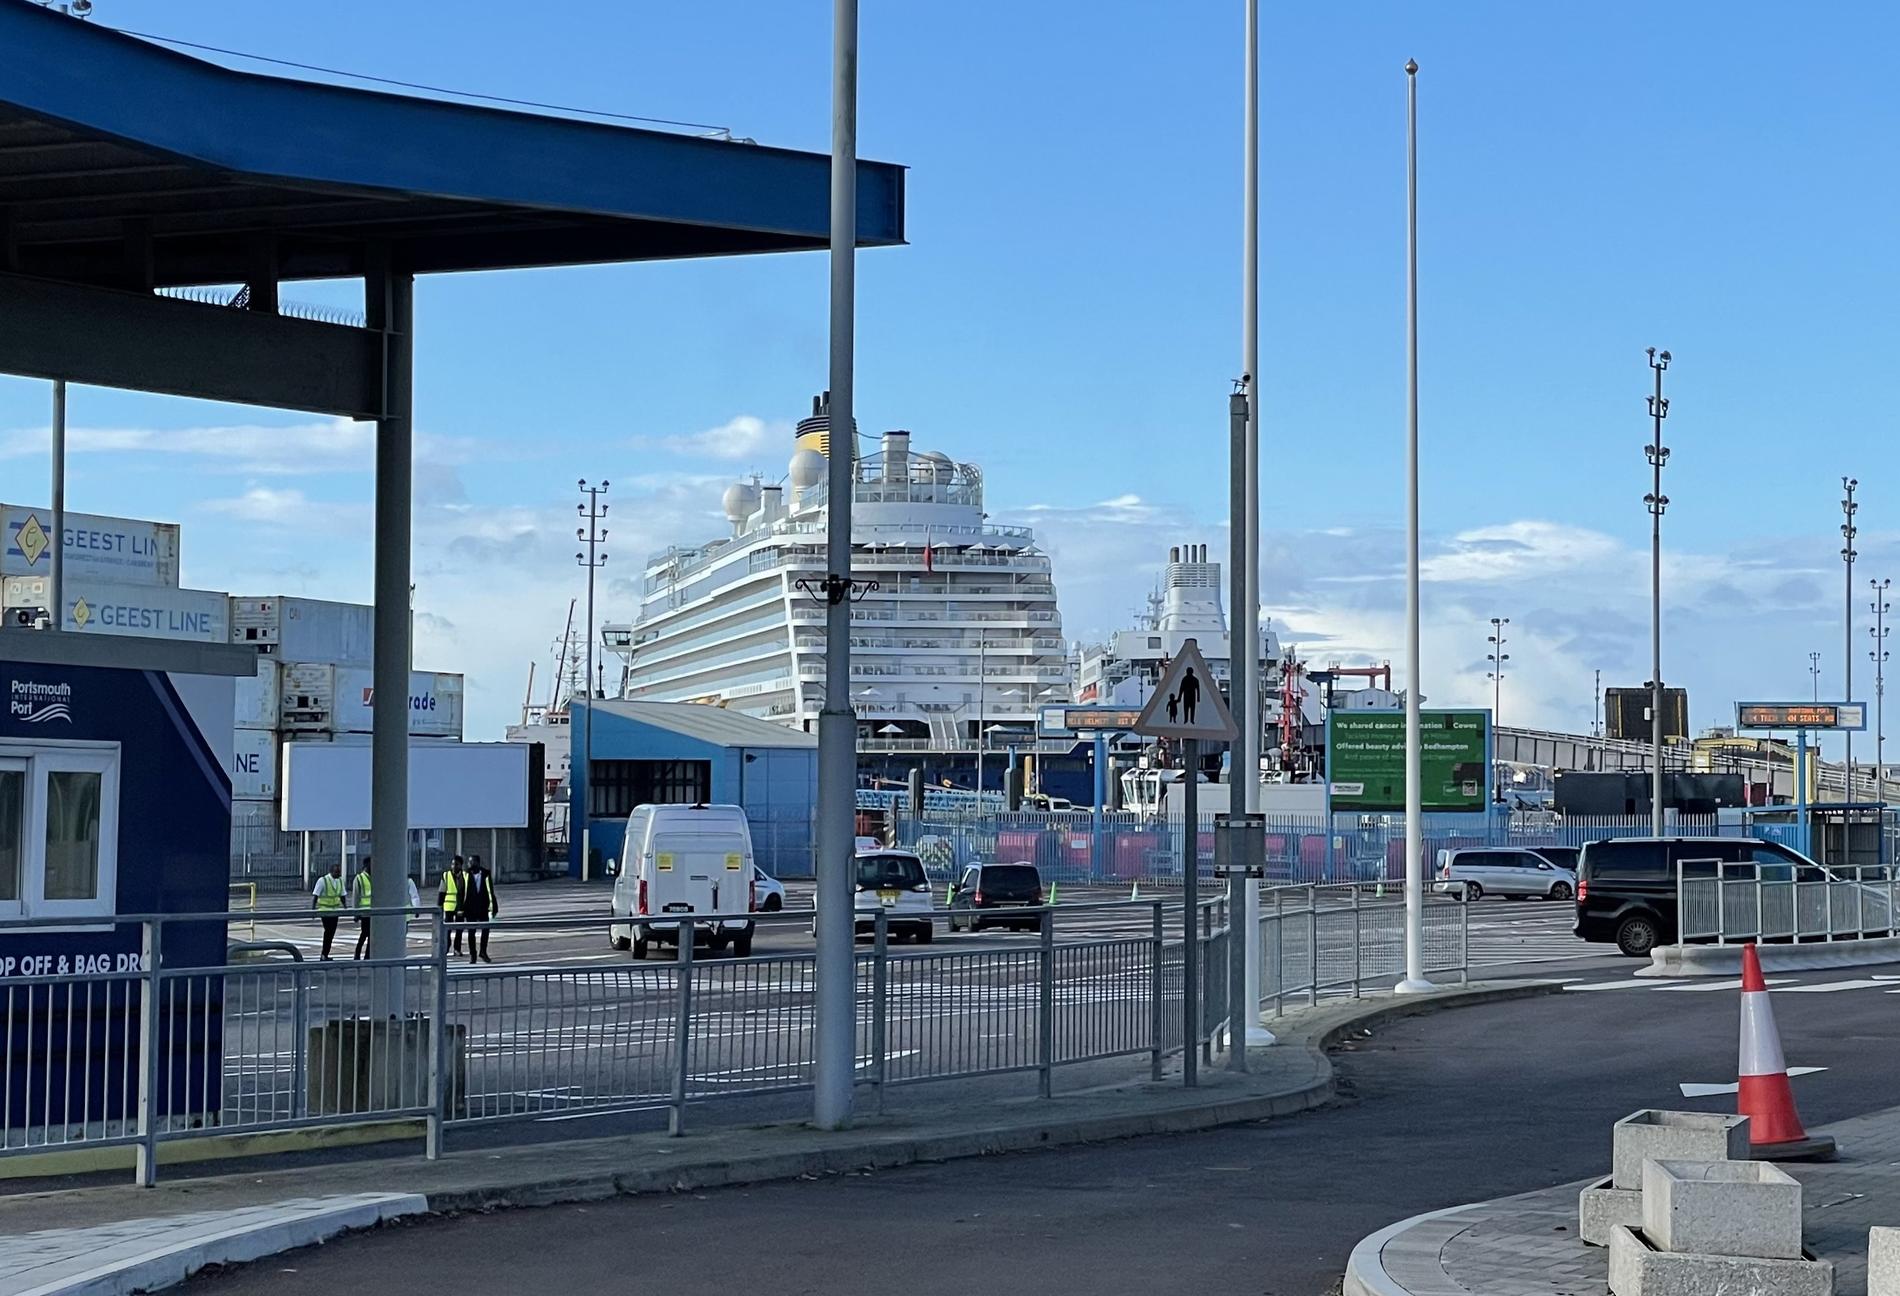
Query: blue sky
{"points": [[1714, 179]]}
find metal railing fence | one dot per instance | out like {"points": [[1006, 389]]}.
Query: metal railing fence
{"points": [[1721, 902], [135, 1049]]}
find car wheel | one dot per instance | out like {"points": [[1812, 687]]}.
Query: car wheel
{"points": [[640, 947], [1560, 892], [926, 934], [772, 904], [1473, 891], [742, 944], [1636, 935]]}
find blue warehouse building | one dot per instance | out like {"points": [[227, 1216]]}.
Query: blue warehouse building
{"points": [[686, 753]]}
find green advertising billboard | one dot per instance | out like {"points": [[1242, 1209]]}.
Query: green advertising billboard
{"points": [[1365, 760]]}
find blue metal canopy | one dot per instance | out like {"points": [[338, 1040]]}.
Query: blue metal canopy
{"points": [[129, 165]]}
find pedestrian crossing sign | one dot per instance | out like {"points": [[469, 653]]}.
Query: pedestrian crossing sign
{"points": [[1187, 703]]}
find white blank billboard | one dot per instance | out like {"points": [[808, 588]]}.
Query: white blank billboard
{"points": [[451, 785]]}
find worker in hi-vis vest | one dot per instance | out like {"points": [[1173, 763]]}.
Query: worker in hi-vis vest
{"points": [[449, 892], [328, 895], [361, 898]]}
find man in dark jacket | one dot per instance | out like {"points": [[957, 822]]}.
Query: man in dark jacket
{"points": [[478, 906]]}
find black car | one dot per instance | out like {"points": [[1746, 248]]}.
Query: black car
{"points": [[990, 895], [1626, 886]]}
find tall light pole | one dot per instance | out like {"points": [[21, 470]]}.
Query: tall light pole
{"points": [[834, 1015], [1497, 657], [1596, 708], [1848, 553], [1657, 502], [1814, 670], [592, 512], [1880, 607], [1247, 631], [1414, 738], [982, 697]]}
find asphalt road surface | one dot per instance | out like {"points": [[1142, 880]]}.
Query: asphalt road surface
{"points": [[1441, 1110]]}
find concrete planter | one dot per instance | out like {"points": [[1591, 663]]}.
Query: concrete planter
{"points": [[1600, 1208], [1723, 1208], [1639, 1269], [1652, 1135], [1883, 1262]]}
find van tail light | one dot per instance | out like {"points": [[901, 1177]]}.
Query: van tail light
{"points": [[1583, 888], [977, 898], [643, 897], [1444, 871]]}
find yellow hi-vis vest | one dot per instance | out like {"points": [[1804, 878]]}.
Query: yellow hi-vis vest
{"points": [[451, 892], [329, 892], [362, 885]]}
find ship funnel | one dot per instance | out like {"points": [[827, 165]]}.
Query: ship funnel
{"points": [[1174, 554], [897, 457]]}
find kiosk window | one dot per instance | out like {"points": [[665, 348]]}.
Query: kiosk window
{"points": [[72, 834], [12, 831], [59, 829]]}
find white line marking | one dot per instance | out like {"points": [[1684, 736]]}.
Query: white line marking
{"points": [[1828, 987], [1625, 985], [1710, 1090], [1726, 985]]}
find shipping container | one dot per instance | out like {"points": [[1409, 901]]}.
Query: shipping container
{"points": [[435, 703], [318, 698], [306, 697], [256, 703], [305, 630], [254, 765], [123, 551], [100, 607]]}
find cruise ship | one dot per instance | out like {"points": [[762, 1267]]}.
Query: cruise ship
{"points": [[953, 648]]}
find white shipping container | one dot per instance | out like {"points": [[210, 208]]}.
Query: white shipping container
{"points": [[256, 703], [255, 765], [122, 550], [435, 703], [152, 611], [305, 630], [306, 697]]}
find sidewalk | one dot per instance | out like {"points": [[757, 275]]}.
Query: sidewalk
{"points": [[118, 1239], [1528, 1245]]}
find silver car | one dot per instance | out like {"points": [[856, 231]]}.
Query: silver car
{"points": [[1503, 871]]}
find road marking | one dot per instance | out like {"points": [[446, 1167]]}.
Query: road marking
{"points": [[1710, 1090], [1626, 985], [1726, 985], [1828, 987]]}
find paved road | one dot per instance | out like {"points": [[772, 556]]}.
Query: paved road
{"points": [[1444, 1110]]}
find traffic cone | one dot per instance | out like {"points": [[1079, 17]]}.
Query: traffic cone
{"points": [[1763, 1093], [1134, 889], [1052, 893]]}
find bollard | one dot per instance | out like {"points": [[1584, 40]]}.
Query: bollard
{"points": [[880, 993]]}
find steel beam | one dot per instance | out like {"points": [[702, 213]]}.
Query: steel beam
{"points": [[140, 342]]}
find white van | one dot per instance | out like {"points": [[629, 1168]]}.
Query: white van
{"points": [[684, 859]]}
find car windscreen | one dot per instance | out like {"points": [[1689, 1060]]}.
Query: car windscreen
{"points": [[890, 872], [1561, 856], [1011, 881]]}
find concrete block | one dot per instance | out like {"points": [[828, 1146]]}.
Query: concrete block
{"points": [[1730, 1208], [1639, 1269], [1883, 1261], [1601, 1208], [1652, 1135]]}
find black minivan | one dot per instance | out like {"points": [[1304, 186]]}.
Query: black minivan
{"points": [[1626, 886]]}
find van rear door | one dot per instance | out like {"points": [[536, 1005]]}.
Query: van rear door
{"points": [[700, 873]]}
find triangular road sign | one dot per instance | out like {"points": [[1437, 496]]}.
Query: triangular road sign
{"points": [[1187, 703]]}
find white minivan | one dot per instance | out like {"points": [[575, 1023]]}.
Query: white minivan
{"points": [[684, 859]]}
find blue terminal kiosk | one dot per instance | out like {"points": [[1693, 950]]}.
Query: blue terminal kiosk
{"points": [[1801, 717], [115, 800]]}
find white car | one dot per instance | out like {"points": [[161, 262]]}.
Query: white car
{"points": [[1502, 871], [767, 891], [865, 844], [894, 881]]}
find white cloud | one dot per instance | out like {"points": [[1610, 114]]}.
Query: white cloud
{"points": [[745, 436], [1513, 551], [324, 445]]}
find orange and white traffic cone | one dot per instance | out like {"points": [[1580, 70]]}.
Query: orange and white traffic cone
{"points": [[1763, 1093]]}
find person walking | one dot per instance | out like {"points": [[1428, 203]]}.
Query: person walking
{"points": [[328, 899], [478, 906], [449, 895], [361, 897]]}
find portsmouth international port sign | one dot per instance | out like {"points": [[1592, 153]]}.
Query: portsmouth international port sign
{"points": [[1365, 760]]}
